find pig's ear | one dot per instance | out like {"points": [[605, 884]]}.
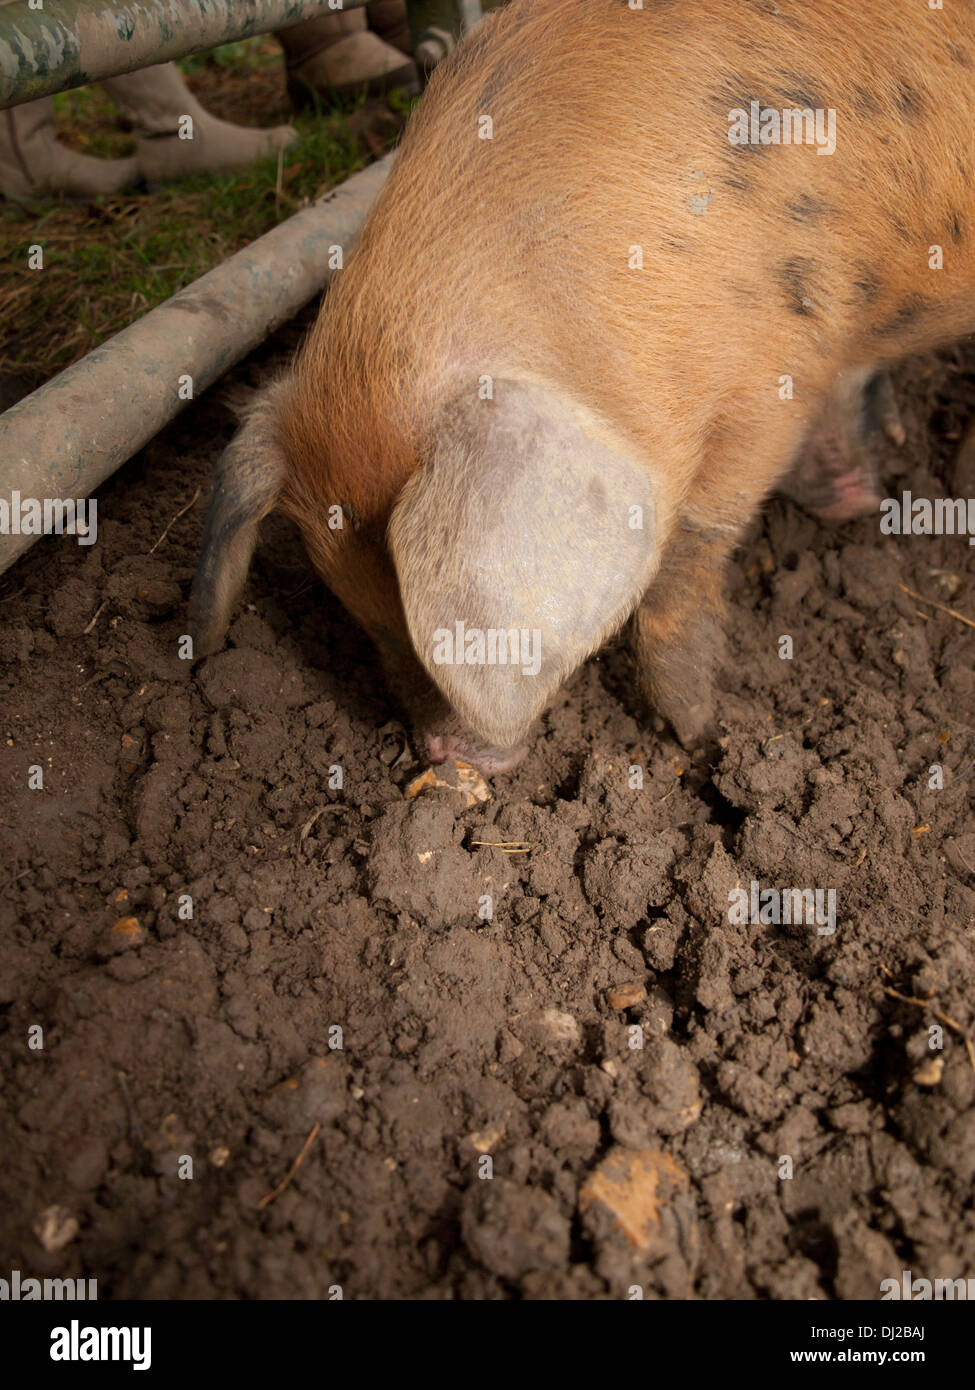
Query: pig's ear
{"points": [[528, 515], [249, 478]]}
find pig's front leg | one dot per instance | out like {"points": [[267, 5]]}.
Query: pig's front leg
{"points": [[677, 635], [677, 630]]}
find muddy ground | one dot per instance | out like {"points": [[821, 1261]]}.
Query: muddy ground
{"points": [[335, 1012]]}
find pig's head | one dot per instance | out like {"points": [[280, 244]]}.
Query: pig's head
{"points": [[522, 539]]}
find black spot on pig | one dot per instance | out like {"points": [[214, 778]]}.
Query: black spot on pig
{"points": [[794, 276], [735, 94], [959, 55], [901, 230], [488, 95], [955, 228], [868, 285], [864, 102], [809, 209], [907, 315], [799, 91], [737, 181], [909, 101]]}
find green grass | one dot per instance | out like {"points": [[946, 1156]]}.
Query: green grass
{"points": [[246, 54], [109, 261]]}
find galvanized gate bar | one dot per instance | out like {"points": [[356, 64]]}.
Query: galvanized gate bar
{"points": [[73, 432], [67, 43]]}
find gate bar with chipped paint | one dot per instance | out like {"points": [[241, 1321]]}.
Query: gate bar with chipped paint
{"points": [[67, 43]]}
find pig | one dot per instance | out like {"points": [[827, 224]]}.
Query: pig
{"points": [[833, 476], [630, 265]]}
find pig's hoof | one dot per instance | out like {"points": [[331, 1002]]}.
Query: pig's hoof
{"points": [[693, 723]]}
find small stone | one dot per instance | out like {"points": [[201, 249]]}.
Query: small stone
{"points": [[452, 777], [634, 1186], [929, 1073], [483, 1141], [55, 1228], [560, 1027], [122, 935], [626, 996]]}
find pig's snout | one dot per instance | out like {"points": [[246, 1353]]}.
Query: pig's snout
{"points": [[463, 748], [437, 729], [833, 477]]}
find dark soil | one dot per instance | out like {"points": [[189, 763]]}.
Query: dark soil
{"points": [[335, 998]]}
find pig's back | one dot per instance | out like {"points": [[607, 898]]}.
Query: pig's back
{"points": [[608, 235]]}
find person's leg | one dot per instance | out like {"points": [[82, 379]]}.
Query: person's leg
{"points": [[34, 163], [176, 137], [389, 19], [337, 56]]}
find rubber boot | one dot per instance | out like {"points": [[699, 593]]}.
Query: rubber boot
{"points": [[389, 19], [176, 137], [34, 164], [336, 57]]}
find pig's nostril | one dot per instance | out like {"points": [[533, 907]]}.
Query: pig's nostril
{"points": [[436, 750], [440, 747], [490, 760]]}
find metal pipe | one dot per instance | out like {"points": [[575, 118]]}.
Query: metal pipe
{"points": [[72, 433], [68, 43]]}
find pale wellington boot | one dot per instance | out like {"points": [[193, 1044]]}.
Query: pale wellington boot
{"points": [[337, 57], [176, 137], [35, 165]]}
